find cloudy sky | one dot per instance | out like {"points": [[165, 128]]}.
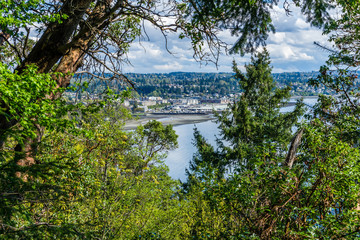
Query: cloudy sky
{"points": [[291, 49]]}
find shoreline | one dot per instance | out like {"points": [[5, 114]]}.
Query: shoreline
{"points": [[167, 119], [177, 119]]}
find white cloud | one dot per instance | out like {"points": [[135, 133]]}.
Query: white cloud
{"points": [[288, 53], [174, 66], [278, 37], [284, 52], [147, 48], [304, 56], [300, 23]]}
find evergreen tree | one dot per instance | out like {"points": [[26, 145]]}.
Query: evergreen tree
{"points": [[255, 121], [238, 180], [253, 124]]}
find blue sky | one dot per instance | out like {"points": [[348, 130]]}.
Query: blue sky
{"points": [[291, 49]]}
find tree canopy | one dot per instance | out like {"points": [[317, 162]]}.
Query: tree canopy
{"points": [[70, 171]]}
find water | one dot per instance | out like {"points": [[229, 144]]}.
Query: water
{"points": [[178, 159]]}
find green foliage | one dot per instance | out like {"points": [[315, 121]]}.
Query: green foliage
{"points": [[19, 14], [87, 178], [27, 97], [265, 198], [317, 199], [71, 171], [254, 122], [247, 183], [153, 138], [340, 74], [250, 21], [127, 192], [101, 182], [125, 32], [334, 130]]}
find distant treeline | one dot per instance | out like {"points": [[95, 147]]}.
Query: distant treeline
{"points": [[180, 84]]}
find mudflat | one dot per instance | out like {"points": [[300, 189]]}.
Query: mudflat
{"points": [[173, 119]]}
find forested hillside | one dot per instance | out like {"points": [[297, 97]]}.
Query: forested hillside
{"points": [[191, 84], [223, 84]]}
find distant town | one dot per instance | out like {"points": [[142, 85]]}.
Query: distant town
{"points": [[188, 93]]}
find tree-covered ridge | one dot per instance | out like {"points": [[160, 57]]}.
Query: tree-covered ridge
{"points": [[181, 83], [192, 84]]}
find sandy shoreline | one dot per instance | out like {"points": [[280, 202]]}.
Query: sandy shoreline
{"points": [[175, 120]]}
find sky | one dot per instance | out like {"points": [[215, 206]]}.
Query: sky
{"points": [[291, 49]]}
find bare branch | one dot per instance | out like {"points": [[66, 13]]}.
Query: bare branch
{"points": [[291, 156]]}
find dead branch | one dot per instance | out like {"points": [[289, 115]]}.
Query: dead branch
{"points": [[291, 156]]}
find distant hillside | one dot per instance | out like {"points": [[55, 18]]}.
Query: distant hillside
{"points": [[183, 84], [222, 84], [287, 78]]}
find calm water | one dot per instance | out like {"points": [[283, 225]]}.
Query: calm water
{"points": [[178, 160]]}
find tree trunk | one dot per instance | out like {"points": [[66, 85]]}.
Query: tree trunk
{"points": [[48, 50], [53, 43], [59, 45], [72, 60]]}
